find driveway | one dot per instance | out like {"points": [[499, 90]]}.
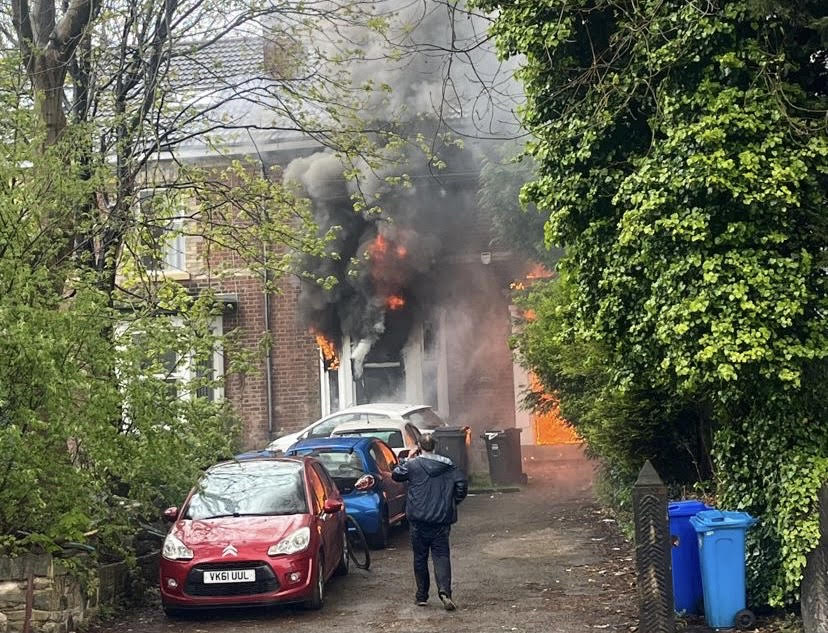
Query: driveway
{"points": [[544, 560]]}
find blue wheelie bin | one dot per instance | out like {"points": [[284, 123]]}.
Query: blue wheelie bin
{"points": [[687, 582], [721, 539]]}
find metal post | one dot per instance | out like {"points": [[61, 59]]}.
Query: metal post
{"points": [[652, 553]]}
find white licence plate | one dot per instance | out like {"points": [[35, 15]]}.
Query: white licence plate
{"points": [[230, 575]]}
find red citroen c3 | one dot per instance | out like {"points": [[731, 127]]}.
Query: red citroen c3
{"points": [[256, 532]]}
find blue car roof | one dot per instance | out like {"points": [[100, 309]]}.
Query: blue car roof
{"points": [[342, 442]]}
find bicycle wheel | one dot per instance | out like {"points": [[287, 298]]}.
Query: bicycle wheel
{"points": [[357, 545]]}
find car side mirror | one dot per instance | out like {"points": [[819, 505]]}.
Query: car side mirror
{"points": [[171, 514], [332, 506], [403, 454]]}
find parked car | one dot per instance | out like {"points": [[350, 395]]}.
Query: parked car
{"points": [[361, 468], [401, 436], [420, 415], [255, 532]]}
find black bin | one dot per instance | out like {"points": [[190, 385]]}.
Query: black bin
{"points": [[505, 461], [453, 442]]}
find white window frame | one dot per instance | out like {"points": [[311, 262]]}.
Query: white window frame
{"points": [[184, 372], [174, 256]]}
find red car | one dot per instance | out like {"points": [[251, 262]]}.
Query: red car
{"points": [[256, 532]]}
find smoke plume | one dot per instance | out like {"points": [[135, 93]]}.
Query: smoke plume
{"points": [[430, 69]]}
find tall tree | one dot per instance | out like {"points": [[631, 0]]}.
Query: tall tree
{"points": [[681, 151]]}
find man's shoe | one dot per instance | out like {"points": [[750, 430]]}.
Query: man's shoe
{"points": [[448, 603], [422, 603]]}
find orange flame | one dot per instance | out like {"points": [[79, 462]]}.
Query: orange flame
{"points": [[381, 247], [394, 302], [539, 271], [328, 349], [536, 272], [378, 247], [387, 274]]}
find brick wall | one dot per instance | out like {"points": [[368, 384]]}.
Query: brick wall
{"points": [[295, 378], [295, 363]]}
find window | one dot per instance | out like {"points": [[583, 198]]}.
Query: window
{"points": [[163, 239], [249, 488], [179, 370], [392, 437], [425, 419], [325, 428], [390, 458], [317, 489], [380, 458], [327, 482], [413, 434], [338, 463]]}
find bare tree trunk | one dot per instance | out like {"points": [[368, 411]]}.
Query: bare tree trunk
{"points": [[47, 45], [48, 80], [815, 581]]}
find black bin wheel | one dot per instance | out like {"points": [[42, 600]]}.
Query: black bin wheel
{"points": [[744, 620]]}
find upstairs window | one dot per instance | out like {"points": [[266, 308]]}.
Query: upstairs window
{"points": [[164, 247]]}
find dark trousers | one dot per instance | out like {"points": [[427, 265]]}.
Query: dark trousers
{"points": [[434, 538]]}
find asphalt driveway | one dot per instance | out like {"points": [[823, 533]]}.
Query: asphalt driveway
{"points": [[544, 560]]}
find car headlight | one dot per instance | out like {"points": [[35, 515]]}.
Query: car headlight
{"points": [[174, 549], [293, 544]]}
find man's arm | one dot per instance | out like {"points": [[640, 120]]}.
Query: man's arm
{"points": [[461, 486], [400, 472]]}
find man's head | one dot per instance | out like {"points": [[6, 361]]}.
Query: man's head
{"points": [[427, 443]]}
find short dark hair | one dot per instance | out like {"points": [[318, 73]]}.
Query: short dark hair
{"points": [[427, 443]]}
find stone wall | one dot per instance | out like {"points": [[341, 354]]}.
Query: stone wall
{"points": [[41, 586], [54, 598]]}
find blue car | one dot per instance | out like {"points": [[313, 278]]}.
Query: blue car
{"points": [[361, 468]]}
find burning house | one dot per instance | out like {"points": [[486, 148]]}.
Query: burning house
{"points": [[411, 300], [413, 281]]}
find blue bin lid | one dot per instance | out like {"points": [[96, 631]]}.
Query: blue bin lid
{"points": [[720, 520], [686, 508]]}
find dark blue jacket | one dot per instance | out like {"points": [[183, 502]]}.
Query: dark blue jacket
{"points": [[435, 487]]}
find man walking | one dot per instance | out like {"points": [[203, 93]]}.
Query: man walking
{"points": [[435, 487]]}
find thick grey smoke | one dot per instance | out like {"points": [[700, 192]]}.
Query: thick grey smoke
{"points": [[432, 58], [383, 262], [428, 69]]}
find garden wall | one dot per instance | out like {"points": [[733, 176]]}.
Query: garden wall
{"points": [[43, 592]]}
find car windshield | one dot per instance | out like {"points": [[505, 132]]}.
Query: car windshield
{"points": [[339, 463], [392, 437], [254, 488]]}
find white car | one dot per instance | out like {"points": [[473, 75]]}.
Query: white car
{"points": [[401, 436], [421, 416]]}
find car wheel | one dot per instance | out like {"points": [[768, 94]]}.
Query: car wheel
{"points": [[318, 595], [379, 540], [345, 563]]}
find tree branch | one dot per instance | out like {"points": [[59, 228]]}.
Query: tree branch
{"points": [[22, 20], [69, 30]]}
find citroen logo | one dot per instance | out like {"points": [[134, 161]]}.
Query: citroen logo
{"points": [[230, 551]]}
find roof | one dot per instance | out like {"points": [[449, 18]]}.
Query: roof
{"points": [[398, 408], [388, 424], [230, 58], [346, 443], [227, 90], [247, 461]]}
